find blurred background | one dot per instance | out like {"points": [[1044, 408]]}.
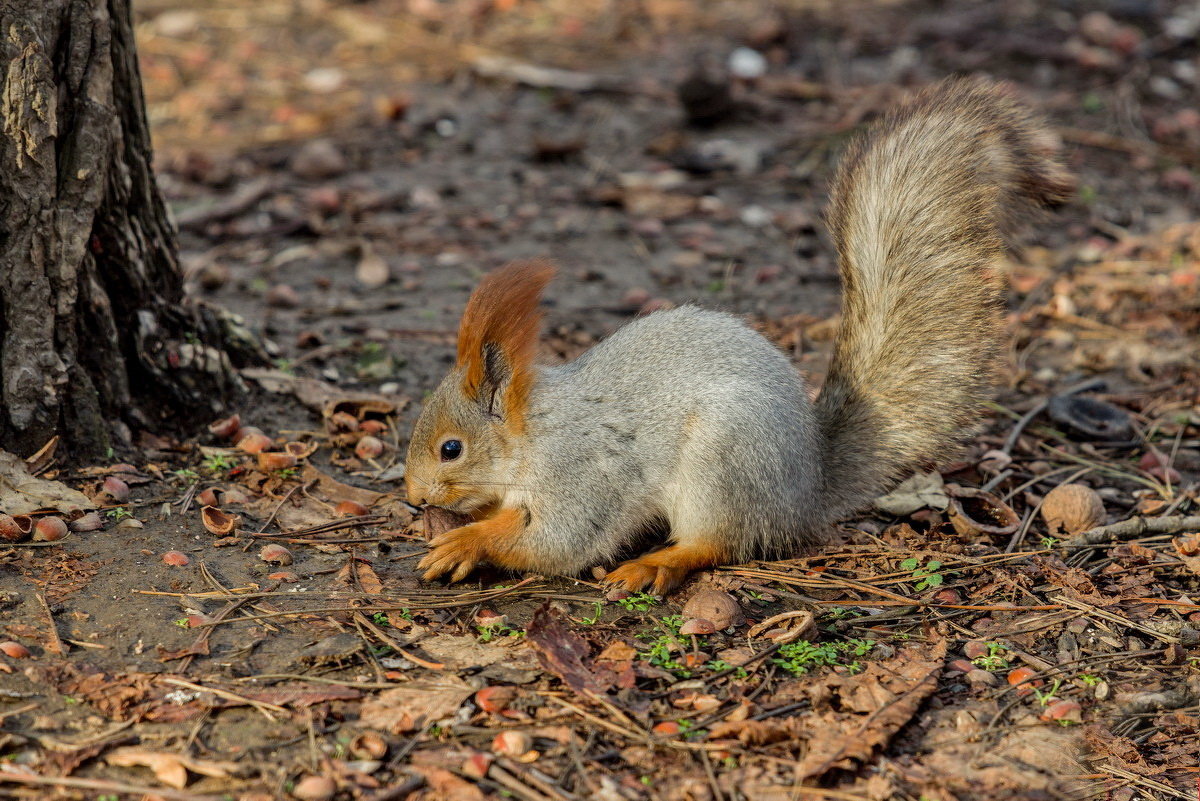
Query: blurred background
{"points": [[344, 171]]}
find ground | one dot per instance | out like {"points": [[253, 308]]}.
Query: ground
{"points": [[343, 173]]}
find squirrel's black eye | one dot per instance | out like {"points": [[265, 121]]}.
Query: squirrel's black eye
{"points": [[451, 450]]}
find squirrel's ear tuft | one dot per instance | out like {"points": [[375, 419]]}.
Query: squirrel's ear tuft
{"points": [[498, 335]]}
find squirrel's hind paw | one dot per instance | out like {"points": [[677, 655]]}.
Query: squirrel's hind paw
{"points": [[663, 570]]}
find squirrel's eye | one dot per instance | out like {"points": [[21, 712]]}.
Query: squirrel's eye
{"points": [[451, 450]]}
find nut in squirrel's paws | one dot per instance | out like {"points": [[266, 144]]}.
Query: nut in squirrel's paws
{"points": [[637, 574], [456, 552]]}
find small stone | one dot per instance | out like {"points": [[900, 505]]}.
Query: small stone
{"points": [[981, 678], [282, 296], [747, 63], [975, 649], [318, 160], [756, 217], [315, 788], [275, 554]]}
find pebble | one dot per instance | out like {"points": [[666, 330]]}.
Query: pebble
{"points": [[747, 63]]}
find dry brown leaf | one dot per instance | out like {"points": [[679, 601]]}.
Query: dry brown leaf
{"points": [[357, 574], [887, 695], [414, 705], [565, 654], [329, 487], [459, 652], [852, 715], [1187, 548], [446, 786], [22, 493], [170, 768]]}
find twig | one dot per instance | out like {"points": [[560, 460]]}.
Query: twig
{"points": [[261, 706], [8, 774], [1135, 527], [56, 644], [1094, 611], [195, 219]]}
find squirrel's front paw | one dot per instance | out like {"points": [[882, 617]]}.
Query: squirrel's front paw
{"points": [[456, 552]]}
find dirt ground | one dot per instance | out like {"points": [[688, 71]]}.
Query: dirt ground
{"points": [[344, 172]]}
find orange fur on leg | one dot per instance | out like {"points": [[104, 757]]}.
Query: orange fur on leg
{"points": [[667, 568], [496, 540]]}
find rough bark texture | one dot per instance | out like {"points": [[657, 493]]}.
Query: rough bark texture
{"points": [[97, 337]]}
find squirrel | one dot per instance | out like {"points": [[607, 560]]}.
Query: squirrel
{"points": [[688, 420]]}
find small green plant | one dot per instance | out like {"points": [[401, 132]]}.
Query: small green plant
{"points": [[925, 576], [1046, 696], [119, 513], [994, 659], [187, 474], [288, 472], [490, 631], [285, 366], [218, 463], [381, 619], [594, 618], [688, 729], [720, 666], [638, 602], [1090, 679], [661, 650], [801, 656], [1049, 542], [182, 623]]}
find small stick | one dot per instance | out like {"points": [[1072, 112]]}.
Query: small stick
{"points": [[261, 706], [1135, 527], [104, 786], [56, 643]]}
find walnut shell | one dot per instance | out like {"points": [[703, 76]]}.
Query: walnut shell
{"points": [[719, 607], [1073, 508]]}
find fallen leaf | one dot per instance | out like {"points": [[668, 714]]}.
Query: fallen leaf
{"points": [[445, 786], [1187, 548], [414, 705], [22, 493], [566, 654], [170, 768], [851, 715], [359, 575], [921, 491], [458, 652]]}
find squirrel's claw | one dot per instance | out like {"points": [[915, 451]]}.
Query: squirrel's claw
{"points": [[450, 554], [635, 575]]}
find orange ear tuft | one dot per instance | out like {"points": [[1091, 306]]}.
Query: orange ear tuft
{"points": [[502, 319]]}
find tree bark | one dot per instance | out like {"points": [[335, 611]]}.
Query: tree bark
{"points": [[97, 336]]}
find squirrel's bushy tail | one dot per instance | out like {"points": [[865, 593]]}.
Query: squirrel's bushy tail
{"points": [[917, 211]]}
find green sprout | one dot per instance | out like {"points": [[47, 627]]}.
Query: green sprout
{"points": [[994, 659], [926, 576], [638, 602]]}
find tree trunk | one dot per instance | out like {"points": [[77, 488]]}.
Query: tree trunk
{"points": [[97, 337]]}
